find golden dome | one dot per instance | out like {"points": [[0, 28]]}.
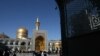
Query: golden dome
{"points": [[22, 30], [22, 33]]}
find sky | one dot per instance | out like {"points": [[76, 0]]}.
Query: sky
{"points": [[23, 13]]}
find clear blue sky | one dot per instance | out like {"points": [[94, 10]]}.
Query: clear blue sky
{"points": [[17, 13]]}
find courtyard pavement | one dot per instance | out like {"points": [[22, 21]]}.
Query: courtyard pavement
{"points": [[53, 55], [30, 54]]}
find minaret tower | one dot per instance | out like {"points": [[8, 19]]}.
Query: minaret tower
{"points": [[39, 40], [37, 24]]}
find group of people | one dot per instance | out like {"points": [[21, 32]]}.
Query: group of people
{"points": [[7, 53], [41, 53]]}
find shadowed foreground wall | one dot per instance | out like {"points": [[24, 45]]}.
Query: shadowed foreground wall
{"points": [[85, 41], [84, 45]]}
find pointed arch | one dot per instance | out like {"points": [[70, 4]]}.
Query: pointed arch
{"points": [[40, 43]]}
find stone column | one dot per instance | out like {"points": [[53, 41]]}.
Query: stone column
{"points": [[46, 40], [33, 42], [19, 43], [8, 43], [26, 45], [14, 45]]}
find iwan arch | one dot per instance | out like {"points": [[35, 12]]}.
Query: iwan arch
{"points": [[39, 43], [39, 40]]}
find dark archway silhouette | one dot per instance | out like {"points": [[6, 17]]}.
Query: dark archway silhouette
{"points": [[23, 43]]}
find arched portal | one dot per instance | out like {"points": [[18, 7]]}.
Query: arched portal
{"points": [[23, 47], [39, 44]]}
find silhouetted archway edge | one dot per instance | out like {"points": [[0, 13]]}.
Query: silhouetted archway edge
{"points": [[62, 6], [82, 45]]}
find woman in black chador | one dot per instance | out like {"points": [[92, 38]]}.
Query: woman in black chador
{"points": [[14, 54], [1, 53], [37, 54], [45, 53]]}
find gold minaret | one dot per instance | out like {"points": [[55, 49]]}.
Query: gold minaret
{"points": [[37, 24]]}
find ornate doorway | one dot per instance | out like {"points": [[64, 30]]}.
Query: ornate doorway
{"points": [[39, 44]]}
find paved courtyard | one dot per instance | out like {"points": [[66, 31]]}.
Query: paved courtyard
{"points": [[53, 55], [30, 54]]}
